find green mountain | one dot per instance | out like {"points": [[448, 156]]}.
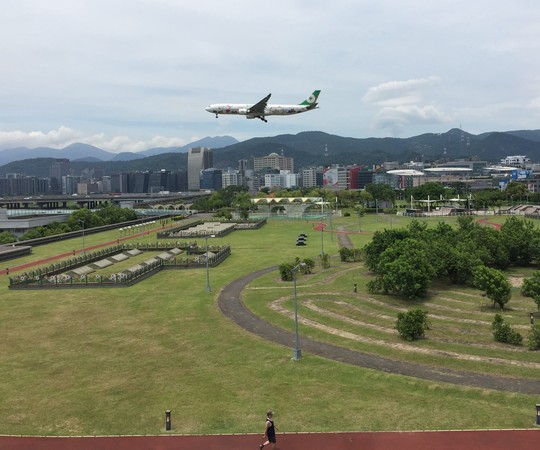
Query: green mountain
{"points": [[315, 148]]}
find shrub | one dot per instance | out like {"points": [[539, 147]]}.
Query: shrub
{"points": [[304, 266], [503, 332], [350, 255], [534, 338], [412, 325]]}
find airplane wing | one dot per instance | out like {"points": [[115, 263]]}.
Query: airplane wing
{"points": [[258, 108]]}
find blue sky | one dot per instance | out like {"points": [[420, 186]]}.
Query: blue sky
{"points": [[130, 75]]}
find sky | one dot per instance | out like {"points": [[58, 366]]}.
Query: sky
{"points": [[128, 75]]}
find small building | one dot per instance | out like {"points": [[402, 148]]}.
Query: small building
{"points": [[20, 224]]}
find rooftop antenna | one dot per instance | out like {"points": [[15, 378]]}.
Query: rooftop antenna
{"points": [[326, 150]]}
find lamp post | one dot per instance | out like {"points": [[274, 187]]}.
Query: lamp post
{"points": [[297, 352], [208, 288], [82, 223], [322, 239], [331, 229]]}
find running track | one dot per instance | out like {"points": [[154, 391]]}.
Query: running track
{"points": [[436, 440]]}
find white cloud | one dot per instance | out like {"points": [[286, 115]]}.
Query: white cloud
{"points": [[64, 136], [131, 73], [405, 103], [404, 114], [400, 92]]}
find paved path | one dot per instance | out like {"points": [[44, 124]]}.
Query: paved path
{"points": [[231, 305]]}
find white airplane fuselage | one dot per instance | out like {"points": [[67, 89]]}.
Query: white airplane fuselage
{"points": [[261, 109], [270, 110]]}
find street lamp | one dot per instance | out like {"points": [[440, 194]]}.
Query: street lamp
{"points": [[297, 352], [322, 239], [208, 288], [82, 223]]}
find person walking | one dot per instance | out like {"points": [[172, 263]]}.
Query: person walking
{"points": [[269, 431]]}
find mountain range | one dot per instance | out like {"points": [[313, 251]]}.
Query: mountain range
{"points": [[309, 148], [80, 152]]}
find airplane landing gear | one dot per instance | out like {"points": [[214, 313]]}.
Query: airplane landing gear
{"points": [[262, 118], [217, 116]]}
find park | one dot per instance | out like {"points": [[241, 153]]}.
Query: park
{"points": [[112, 361]]}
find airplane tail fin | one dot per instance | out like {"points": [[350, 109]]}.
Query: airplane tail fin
{"points": [[312, 100]]}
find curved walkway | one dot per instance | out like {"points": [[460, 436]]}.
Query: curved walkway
{"points": [[231, 305]]}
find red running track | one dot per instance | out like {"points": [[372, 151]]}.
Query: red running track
{"points": [[435, 440]]}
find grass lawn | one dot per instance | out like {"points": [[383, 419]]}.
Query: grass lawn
{"points": [[111, 361]]}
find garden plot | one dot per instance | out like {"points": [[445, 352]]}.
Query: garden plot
{"points": [[118, 258], [101, 264], [138, 267], [126, 262], [81, 271], [165, 256]]}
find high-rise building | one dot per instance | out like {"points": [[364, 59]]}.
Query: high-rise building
{"points": [[335, 178], [274, 161], [199, 158], [312, 177], [211, 179], [59, 168], [232, 178]]}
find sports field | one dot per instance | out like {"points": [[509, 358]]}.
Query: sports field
{"points": [[111, 361]]}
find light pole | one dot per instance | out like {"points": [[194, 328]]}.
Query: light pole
{"points": [[82, 223], [322, 239], [208, 288], [297, 352]]}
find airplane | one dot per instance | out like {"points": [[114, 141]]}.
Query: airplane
{"points": [[262, 109]]}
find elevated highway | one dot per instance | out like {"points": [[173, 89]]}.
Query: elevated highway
{"points": [[94, 200]]}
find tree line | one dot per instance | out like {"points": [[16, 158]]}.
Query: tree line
{"points": [[82, 218], [406, 261]]}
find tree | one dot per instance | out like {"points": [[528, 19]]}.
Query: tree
{"points": [[379, 243], [381, 192], [350, 255], [515, 189], [7, 238], [486, 243], [364, 198], [360, 212], [518, 235], [412, 325], [404, 269], [432, 190], [77, 218], [531, 288], [488, 197], [113, 214], [494, 282]]}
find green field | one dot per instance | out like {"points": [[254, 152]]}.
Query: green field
{"points": [[111, 361]]}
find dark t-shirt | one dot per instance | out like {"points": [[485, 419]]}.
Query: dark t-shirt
{"points": [[271, 431]]}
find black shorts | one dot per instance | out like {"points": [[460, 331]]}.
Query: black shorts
{"points": [[272, 439]]}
